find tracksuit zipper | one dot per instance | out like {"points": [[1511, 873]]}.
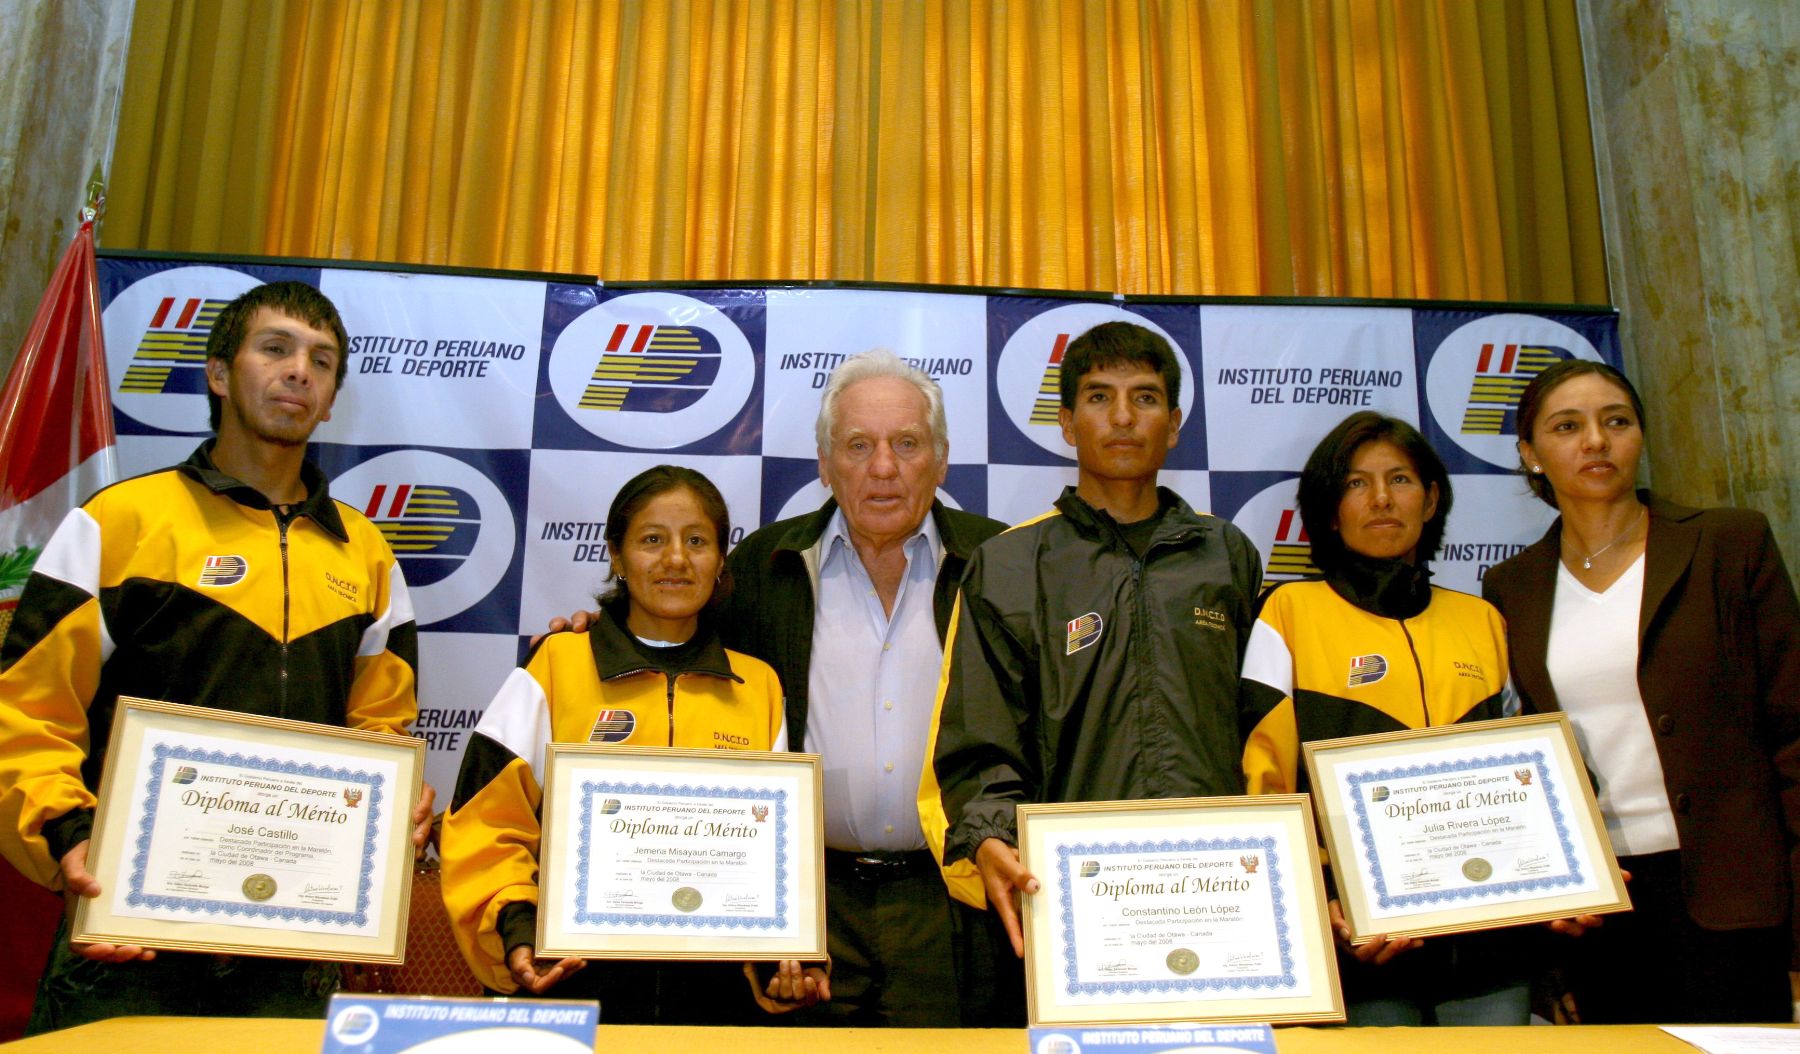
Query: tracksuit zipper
{"points": [[1419, 668], [283, 680]]}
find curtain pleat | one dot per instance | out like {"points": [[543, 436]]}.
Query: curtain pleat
{"points": [[1368, 148]]}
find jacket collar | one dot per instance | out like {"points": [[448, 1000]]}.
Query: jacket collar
{"points": [[1668, 552], [806, 530], [615, 655], [1390, 588], [318, 506], [1178, 520]]}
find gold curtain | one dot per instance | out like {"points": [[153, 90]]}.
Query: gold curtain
{"points": [[1368, 148]]}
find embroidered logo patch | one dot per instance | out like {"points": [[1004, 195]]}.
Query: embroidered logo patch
{"points": [[1084, 631], [1367, 669], [223, 571], [613, 726]]}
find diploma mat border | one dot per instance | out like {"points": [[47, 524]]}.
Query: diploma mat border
{"points": [[112, 847], [1576, 813], [1174, 823], [562, 878]]}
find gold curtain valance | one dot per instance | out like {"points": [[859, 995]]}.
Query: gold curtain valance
{"points": [[1406, 148]]}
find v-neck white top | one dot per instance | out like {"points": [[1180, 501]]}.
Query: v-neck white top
{"points": [[1592, 660]]}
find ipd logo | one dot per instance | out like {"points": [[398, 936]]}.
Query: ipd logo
{"points": [[449, 526], [1290, 554], [1028, 375], [156, 333], [661, 370], [171, 357], [1500, 378], [1272, 520], [652, 371], [1478, 372], [431, 529]]}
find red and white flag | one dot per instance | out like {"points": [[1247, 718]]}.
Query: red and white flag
{"points": [[56, 448], [56, 434]]}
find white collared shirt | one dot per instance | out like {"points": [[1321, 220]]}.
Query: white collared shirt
{"points": [[872, 686]]}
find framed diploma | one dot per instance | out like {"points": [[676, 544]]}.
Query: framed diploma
{"points": [[660, 853], [1189, 909], [228, 832], [1464, 827]]}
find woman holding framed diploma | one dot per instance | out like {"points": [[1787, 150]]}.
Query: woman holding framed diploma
{"points": [[1370, 645], [650, 672], [1671, 638]]}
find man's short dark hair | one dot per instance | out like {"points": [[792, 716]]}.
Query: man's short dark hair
{"points": [[1328, 468], [1113, 344], [293, 299]]}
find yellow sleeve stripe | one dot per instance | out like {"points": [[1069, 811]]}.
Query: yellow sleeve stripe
{"points": [[963, 880]]}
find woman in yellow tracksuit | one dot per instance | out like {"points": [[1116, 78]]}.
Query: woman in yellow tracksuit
{"points": [[650, 672], [1372, 646]]}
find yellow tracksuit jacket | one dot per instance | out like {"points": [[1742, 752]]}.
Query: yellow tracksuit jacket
{"points": [[578, 688], [184, 585]]}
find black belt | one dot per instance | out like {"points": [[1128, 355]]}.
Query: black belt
{"points": [[875, 866]]}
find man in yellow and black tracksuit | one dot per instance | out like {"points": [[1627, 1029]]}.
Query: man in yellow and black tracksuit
{"points": [[231, 581]]}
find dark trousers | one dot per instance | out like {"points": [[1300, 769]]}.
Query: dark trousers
{"points": [[1654, 964], [75, 991], [905, 954], [1458, 979]]}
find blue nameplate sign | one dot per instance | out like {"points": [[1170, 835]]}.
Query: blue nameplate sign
{"points": [[1159, 1039], [389, 1024]]}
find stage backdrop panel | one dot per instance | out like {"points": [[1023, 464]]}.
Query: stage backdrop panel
{"points": [[487, 420]]}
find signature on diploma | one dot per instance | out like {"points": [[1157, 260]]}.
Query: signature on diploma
{"points": [[1242, 960], [321, 889], [187, 876], [1531, 865], [1115, 968]]}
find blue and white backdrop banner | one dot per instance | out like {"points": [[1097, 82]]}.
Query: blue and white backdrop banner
{"points": [[486, 422]]}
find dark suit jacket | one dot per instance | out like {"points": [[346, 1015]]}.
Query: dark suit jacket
{"points": [[769, 613], [1719, 672]]}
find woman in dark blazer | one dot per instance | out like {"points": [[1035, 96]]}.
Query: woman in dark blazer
{"points": [[1671, 636]]}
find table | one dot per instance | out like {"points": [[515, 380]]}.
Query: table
{"points": [[185, 1035]]}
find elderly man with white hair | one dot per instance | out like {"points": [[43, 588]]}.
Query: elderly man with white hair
{"points": [[850, 605]]}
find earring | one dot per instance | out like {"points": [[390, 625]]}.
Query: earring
{"points": [[1537, 468]]}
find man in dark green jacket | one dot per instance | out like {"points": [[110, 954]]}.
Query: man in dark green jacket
{"points": [[1096, 649]]}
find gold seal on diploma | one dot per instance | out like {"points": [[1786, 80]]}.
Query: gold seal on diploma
{"points": [[1475, 869], [259, 887], [1183, 961], [687, 898]]}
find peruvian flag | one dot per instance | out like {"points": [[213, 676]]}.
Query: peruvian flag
{"points": [[56, 448], [56, 434]]}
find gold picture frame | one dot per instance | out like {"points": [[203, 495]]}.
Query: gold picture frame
{"points": [[191, 796], [1231, 885], [1448, 833], [727, 861]]}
